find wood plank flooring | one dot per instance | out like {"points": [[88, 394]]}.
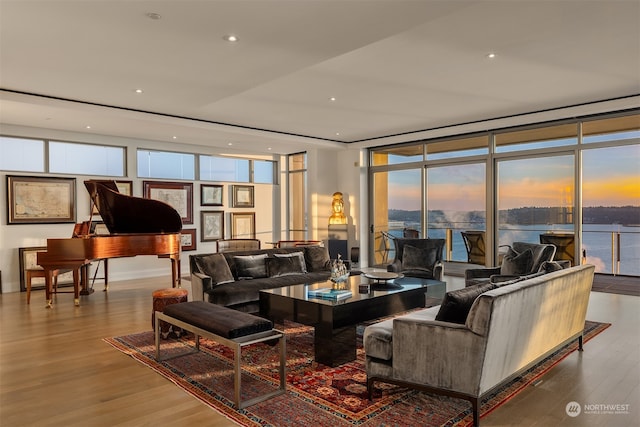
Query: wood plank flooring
{"points": [[55, 370]]}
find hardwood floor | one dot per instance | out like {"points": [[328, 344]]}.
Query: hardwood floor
{"points": [[55, 370]]}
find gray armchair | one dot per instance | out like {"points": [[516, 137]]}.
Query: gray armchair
{"points": [[523, 259], [418, 258]]}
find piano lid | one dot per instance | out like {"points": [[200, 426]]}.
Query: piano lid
{"points": [[128, 214]]}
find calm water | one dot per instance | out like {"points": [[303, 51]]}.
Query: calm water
{"points": [[596, 241]]}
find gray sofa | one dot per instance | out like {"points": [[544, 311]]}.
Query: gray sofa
{"points": [[234, 279], [480, 337]]}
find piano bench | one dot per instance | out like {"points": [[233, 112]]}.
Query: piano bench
{"points": [[228, 327], [163, 298]]}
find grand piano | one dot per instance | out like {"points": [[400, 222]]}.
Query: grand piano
{"points": [[137, 226]]}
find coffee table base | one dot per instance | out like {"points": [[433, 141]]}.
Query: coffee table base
{"points": [[335, 325]]}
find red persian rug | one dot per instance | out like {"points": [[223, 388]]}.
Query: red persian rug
{"points": [[316, 394]]}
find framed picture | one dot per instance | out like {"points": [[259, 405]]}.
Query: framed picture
{"points": [[177, 194], [188, 239], [33, 200], [28, 258], [211, 225], [211, 195], [124, 187], [242, 196], [243, 225]]}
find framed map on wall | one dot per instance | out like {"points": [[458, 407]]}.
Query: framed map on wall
{"points": [[177, 194], [34, 199]]}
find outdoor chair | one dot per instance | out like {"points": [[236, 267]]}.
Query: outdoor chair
{"points": [[565, 244], [410, 233], [474, 243], [386, 245]]}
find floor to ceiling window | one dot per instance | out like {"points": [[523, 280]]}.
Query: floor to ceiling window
{"points": [[396, 200], [535, 196], [456, 194], [610, 195], [297, 197], [456, 202], [575, 183]]}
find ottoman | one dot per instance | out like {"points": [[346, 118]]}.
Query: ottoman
{"points": [[163, 298]]}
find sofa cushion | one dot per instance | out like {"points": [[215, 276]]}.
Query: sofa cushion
{"points": [[297, 258], [284, 266], [377, 340], [317, 258], [216, 267], [456, 304], [419, 259], [515, 263], [219, 320], [237, 294], [251, 266]]}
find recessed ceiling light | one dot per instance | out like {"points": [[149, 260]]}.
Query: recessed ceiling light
{"points": [[269, 148], [230, 143], [138, 91], [153, 15], [174, 137], [333, 98], [337, 133], [230, 38], [88, 127], [491, 55]]}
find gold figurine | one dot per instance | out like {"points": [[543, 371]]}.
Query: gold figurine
{"points": [[337, 217]]}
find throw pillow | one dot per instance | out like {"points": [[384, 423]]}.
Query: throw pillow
{"points": [[418, 259], [251, 266], [317, 258], [297, 256], [216, 267], [283, 266], [517, 264], [456, 304], [550, 266]]}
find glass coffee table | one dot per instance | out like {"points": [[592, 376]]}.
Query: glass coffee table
{"points": [[335, 320]]}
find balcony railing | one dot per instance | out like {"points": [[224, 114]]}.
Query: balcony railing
{"points": [[613, 249]]}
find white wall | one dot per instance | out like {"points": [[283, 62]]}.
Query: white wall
{"points": [[16, 236], [329, 171]]}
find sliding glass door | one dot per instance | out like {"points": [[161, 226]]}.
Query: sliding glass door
{"points": [[397, 204], [456, 200]]}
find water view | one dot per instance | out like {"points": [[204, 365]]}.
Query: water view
{"points": [[596, 241]]}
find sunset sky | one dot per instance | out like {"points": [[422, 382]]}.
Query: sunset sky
{"points": [[611, 177]]}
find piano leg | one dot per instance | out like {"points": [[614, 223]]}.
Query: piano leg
{"points": [[76, 286], [48, 281], [84, 280], [106, 274], [175, 272]]}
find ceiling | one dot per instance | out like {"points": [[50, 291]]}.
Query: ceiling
{"points": [[394, 67]]}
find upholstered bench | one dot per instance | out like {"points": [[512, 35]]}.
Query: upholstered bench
{"points": [[228, 327]]}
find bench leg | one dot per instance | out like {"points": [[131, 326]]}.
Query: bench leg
{"points": [[238, 375], [281, 370], [236, 346]]}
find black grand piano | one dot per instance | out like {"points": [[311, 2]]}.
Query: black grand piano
{"points": [[137, 226]]}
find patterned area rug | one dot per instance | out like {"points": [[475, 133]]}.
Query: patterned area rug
{"points": [[316, 394]]}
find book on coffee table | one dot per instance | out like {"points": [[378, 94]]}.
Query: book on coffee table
{"points": [[329, 293]]}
